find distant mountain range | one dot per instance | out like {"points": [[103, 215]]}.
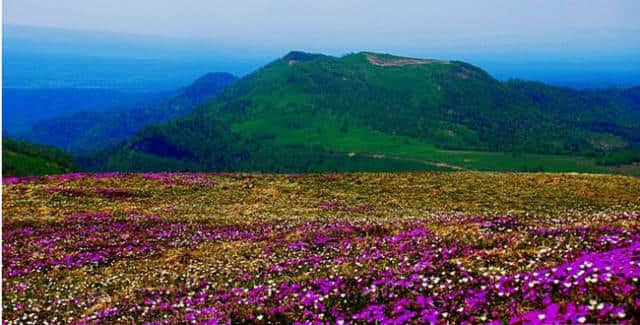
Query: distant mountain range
{"points": [[42, 57], [371, 111], [22, 108], [90, 130]]}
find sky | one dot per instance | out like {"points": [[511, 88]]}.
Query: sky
{"points": [[346, 24], [492, 32]]}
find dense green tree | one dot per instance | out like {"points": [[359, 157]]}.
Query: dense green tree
{"points": [[20, 158]]}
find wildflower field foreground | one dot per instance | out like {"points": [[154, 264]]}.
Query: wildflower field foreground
{"points": [[328, 248]]}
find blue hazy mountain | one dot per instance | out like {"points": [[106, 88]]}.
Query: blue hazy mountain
{"points": [[50, 72], [86, 131], [22, 108]]}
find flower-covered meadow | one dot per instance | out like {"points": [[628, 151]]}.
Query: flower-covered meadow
{"points": [[399, 248]]}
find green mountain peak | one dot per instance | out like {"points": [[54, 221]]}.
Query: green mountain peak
{"points": [[371, 111]]}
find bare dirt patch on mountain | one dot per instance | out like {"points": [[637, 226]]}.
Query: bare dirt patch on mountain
{"points": [[400, 62], [426, 162]]}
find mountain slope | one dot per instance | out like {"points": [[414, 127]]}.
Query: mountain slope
{"points": [[22, 159], [384, 107], [86, 131]]}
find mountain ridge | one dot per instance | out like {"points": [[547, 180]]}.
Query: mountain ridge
{"points": [[87, 131], [323, 106]]}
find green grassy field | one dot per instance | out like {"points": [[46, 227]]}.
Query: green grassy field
{"points": [[363, 141]]}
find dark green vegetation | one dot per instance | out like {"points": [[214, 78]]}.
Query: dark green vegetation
{"points": [[21, 159], [618, 158], [86, 131], [366, 111]]}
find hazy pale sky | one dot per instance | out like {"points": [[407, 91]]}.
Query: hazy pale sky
{"points": [[546, 26]]}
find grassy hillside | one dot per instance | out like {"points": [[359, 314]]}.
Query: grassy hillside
{"points": [[24, 159], [387, 109], [86, 131]]}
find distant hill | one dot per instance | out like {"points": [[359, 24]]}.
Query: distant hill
{"points": [[24, 159], [22, 108], [311, 112], [86, 131]]}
